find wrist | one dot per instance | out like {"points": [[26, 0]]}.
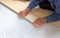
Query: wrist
{"points": [[27, 9], [45, 20]]}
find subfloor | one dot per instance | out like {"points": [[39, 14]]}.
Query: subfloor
{"points": [[12, 26]]}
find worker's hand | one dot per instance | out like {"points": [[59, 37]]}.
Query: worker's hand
{"points": [[39, 22], [24, 12]]}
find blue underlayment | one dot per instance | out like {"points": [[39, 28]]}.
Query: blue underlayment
{"points": [[13, 27]]}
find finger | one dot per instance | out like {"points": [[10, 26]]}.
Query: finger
{"points": [[21, 14], [35, 24]]}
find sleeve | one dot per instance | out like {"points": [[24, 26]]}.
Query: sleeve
{"points": [[53, 17], [33, 4], [56, 15]]}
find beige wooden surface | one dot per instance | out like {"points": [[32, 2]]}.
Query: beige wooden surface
{"points": [[33, 15]]}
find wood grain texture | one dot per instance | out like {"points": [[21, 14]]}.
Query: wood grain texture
{"points": [[33, 15]]}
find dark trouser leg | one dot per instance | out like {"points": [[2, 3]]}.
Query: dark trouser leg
{"points": [[46, 5]]}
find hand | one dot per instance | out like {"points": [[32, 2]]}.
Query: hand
{"points": [[24, 12], [39, 22]]}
